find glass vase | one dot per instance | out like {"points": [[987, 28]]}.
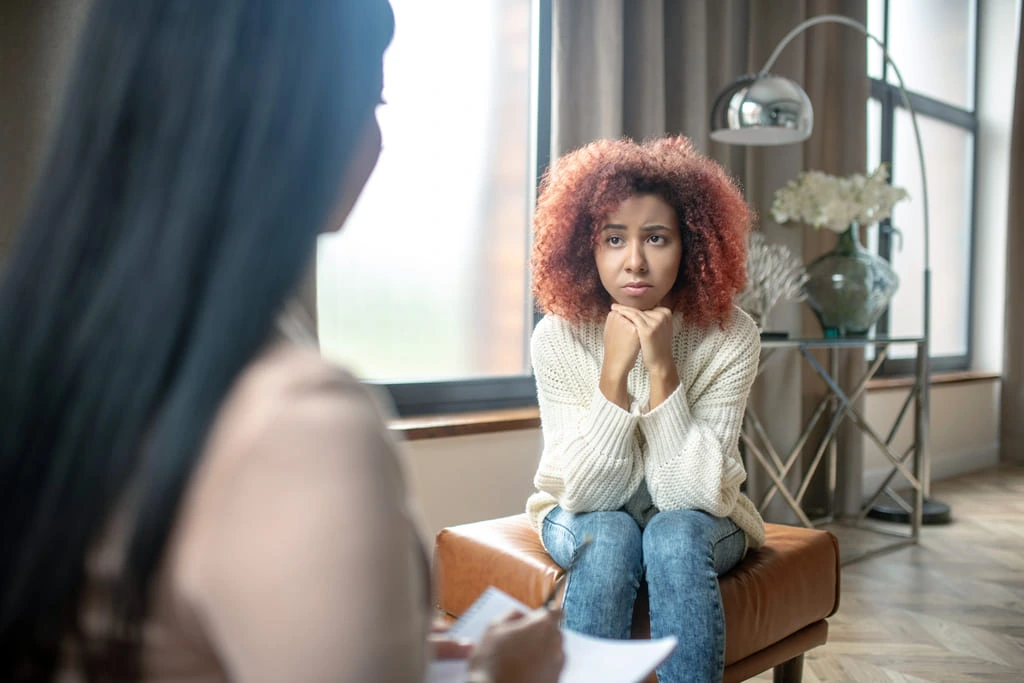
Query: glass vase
{"points": [[849, 287]]}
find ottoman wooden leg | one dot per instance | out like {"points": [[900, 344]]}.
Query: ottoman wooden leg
{"points": [[790, 671]]}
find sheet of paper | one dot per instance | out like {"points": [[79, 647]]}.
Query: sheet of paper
{"points": [[587, 659], [600, 660], [448, 671], [489, 607]]}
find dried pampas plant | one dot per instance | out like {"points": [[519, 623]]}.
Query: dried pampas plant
{"points": [[773, 275]]}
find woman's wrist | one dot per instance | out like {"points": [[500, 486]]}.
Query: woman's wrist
{"points": [[664, 381], [665, 376], [615, 389]]}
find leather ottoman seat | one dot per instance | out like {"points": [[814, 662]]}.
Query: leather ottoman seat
{"points": [[776, 600]]}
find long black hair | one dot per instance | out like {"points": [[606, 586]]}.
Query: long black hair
{"points": [[201, 147]]}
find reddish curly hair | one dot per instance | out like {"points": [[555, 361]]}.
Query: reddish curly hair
{"points": [[584, 186]]}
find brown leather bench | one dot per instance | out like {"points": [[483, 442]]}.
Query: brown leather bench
{"points": [[776, 600]]}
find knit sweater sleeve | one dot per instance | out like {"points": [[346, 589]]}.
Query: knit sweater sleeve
{"points": [[591, 458], [693, 457]]}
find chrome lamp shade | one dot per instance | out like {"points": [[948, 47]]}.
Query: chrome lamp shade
{"points": [[762, 110]]}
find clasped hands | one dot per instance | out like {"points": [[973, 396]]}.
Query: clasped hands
{"points": [[627, 333]]}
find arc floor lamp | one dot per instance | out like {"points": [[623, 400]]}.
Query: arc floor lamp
{"points": [[767, 109]]}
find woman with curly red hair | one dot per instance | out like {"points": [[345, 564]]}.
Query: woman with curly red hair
{"points": [[643, 367]]}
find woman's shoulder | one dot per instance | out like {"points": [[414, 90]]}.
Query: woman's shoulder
{"points": [[738, 330], [292, 410], [556, 334], [290, 387], [285, 371], [298, 482], [551, 326], [292, 425], [735, 342], [741, 329]]}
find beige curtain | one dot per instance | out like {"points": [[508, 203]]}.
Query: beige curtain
{"points": [[37, 38], [654, 67], [836, 81], [1011, 437]]}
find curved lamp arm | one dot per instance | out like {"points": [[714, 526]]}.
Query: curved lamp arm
{"points": [[924, 352], [846, 21]]}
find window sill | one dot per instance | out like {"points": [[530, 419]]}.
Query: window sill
{"points": [[510, 419], [937, 378], [465, 424]]}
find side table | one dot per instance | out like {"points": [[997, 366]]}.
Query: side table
{"points": [[836, 407]]}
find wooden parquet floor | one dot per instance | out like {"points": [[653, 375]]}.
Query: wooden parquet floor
{"points": [[950, 608]]}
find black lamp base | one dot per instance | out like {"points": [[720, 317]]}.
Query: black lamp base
{"points": [[933, 512]]}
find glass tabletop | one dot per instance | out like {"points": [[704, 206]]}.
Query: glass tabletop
{"points": [[833, 343]]}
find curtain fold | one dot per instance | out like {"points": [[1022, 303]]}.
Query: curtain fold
{"points": [[646, 69], [1011, 436], [835, 79]]}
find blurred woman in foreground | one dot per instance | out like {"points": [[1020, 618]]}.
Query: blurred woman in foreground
{"points": [[187, 494]]}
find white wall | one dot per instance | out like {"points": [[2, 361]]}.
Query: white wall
{"points": [[997, 66], [469, 478], [963, 434]]}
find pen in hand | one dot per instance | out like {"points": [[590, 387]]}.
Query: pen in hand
{"points": [[561, 579]]}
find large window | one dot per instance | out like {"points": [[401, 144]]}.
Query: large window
{"points": [[426, 288], [934, 44]]}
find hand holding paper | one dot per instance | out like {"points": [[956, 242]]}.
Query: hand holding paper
{"points": [[587, 659], [521, 647]]}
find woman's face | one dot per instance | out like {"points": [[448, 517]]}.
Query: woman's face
{"points": [[363, 161], [638, 251]]}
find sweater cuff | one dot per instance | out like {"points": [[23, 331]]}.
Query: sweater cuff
{"points": [[608, 426], [666, 426], [733, 472]]}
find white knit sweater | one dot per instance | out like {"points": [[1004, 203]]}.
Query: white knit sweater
{"points": [[682, 455]]}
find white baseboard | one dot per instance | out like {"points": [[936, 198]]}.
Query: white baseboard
{"points": [[944, 466]]}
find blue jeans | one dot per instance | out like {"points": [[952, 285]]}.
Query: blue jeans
{"points": [[681, 553]]}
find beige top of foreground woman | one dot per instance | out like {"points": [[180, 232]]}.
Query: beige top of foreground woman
{"points": [[294, 556]]}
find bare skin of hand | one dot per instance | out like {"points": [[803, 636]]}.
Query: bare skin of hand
{"points": [[445, 647], [621, 346], [520, 647], [654, 331]]}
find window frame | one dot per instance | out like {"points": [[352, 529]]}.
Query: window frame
{"points": [[487, 393], [890, 99], [513, 391]]}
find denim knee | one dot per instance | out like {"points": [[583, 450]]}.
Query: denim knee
{"points": [[602, 585], [616, 539], [692, 538]]}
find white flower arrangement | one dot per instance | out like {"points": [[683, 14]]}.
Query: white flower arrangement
{"points": [[827, 201], [773, 275]]}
